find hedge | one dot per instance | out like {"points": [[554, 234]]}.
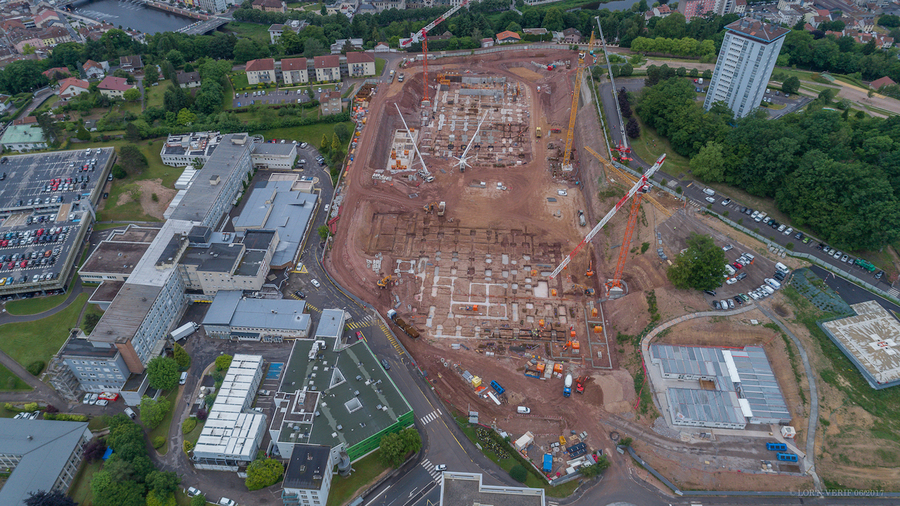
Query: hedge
{"points": [[65, 417]]}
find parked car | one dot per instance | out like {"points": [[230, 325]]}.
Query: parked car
{"points": [[315, 283], [191, 492]]}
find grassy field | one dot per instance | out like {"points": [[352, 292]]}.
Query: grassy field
{"points": [[379, 65], [46, 105], [239, 81], [260, 33], [365, 471], [80, 491], [533, 481], [163, 429], [194, 435], [650, 145], [154, 94], [9, 382], [40, 339], [132, 211], [309, 133], [35, 305]]}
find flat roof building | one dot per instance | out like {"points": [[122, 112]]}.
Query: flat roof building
{"points": [[466, 489], [219, 183], [183, 149], [276, 206], [227, 261], [735, 387], [363, 403], [232, 315], [272, 156], [232, 433], [41, 454], [23, 137], [116, 256], [871, 340], [307, 479]]}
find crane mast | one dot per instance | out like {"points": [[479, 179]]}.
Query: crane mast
{"points": [[570, 134], [422, 36], [641, 185]]}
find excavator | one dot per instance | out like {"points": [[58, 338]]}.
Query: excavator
{"points": [[383, 282], [590, 271], [429, 208]]}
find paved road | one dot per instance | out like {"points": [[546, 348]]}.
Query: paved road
{"points": [[851, 293]]}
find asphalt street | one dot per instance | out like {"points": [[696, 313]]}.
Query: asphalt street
{"points": [[694, 191]]}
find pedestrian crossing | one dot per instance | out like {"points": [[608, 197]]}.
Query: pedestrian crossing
{"points": [[430, 417], [429, 466], [365, 322], [893, 292]]}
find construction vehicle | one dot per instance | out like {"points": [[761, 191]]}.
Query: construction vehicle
{"points": [[384, 282], [641, 187], [576, 92], [590, 271], [555, 131], [579, 384], [567, 388], [442, 207], [537, 132], [422, 36], [581, 219], [405, 327], [429, 208]]}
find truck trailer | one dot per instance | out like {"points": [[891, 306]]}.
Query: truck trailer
{"points": [[184, 331], [405, 327]]}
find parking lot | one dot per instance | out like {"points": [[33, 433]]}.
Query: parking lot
{"points": [[674, 233], [279, 96], [44, 201]]}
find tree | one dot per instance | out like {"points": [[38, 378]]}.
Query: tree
{"points": [[826, 95], [162, 373], [632, 129], [132, 159], [392, 450], [791, 85], [342, 131], [518, 473], [82, 134], [323, 147], [181, 356], [163, 484], [262, 473], [94, 450], [132, 133], [132, 95], [151, 75], [700, 266], [175, 58], [707, 74], [198, 500], [412, 440], [223, 362], [186, 117], [553, 20], [324, 232], [44, 498], [335, 144], [109, 492], [154, 411], [709, 164], [595, 469]]}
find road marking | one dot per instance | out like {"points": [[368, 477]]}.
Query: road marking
{"points": [[430, 417], [314, 308], [429, 467]]}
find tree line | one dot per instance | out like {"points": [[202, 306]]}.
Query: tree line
{"points": [[835, 173]]}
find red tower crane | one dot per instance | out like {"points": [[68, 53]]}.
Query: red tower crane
{"points": [[422, 36], [639, 188]]}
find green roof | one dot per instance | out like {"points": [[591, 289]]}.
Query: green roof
{"points": [[355, 393], [21, 134]]}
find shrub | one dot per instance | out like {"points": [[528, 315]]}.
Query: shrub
{"points": [[65, 417], [518, 473], [188, 447], [188, 425], [35, 367], [159, 442], [678, 190], [31, 406]]}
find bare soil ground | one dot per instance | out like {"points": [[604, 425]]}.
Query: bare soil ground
{"points": [[164, 197]]}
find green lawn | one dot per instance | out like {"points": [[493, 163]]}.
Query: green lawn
{"points": [[239, 81], [131, 210], [41, 339], [9, 381], [194, 435], [35, 305], [650, 145], [91, 309], [163, 429], [379, 65], [309, 133], [80, 491], [154, 94], [46, 105], [258, 32], [365, 471]]}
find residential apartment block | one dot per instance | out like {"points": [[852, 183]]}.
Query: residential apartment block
{"points": [[294, 71], [746, 60], [360, 64], [328, 68], [261, 71]]}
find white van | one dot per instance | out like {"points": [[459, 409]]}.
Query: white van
{"points": [[522, 410], [773, 283], [183, 378], [131, 414], [709, 192], [780, 267]]}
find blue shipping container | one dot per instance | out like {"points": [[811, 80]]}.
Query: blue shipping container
{"points": [[776, 447], [548, 463], [786, 457]]}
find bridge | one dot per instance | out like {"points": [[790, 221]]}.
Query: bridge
{"points": [[201, 27]]}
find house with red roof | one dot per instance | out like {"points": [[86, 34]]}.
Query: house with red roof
{"points": [[294, 71], [879, 83], [71, 87], [57, 73], [261, 71], [94, 70], [114, 87], [328, 68], [507, 36]]}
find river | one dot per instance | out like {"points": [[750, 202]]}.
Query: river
{"points": [[618, 5], [134, 15]]}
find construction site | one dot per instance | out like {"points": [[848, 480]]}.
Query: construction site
{"points": [[467, 220]]}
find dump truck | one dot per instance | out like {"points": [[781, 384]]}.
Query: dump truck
{"points": [[442, 207], [184, 331], [567, 389], [405, 327], [537, 132]]}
